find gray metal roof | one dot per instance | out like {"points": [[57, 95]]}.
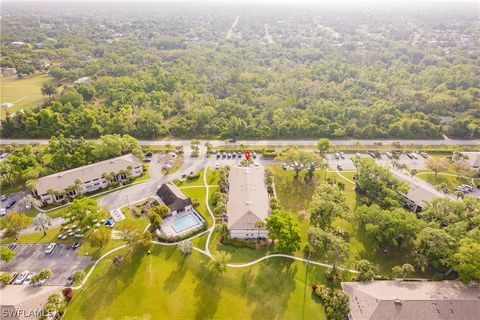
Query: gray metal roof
{"points": [[247, 197], [422, 300]]}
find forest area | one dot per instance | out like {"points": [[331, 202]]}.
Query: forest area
{"points": [[275, 73]]}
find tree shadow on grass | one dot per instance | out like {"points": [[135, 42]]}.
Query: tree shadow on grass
{"points": [[270, 289], [208, 291], [176, 276], [109, 284]]}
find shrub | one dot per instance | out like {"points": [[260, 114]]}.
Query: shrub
{"points": [[239, 243], [193, 176], [68, 294]]}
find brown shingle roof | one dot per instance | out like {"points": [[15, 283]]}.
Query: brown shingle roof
{"points": [[406, 300], [172, 197]]}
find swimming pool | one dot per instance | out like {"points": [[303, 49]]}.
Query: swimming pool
{"points": [[185, 223]]}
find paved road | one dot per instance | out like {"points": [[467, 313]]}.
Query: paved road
{"points": [[343, 142]]}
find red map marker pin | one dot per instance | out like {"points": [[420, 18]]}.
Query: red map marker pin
{"points": [[247, 155]]}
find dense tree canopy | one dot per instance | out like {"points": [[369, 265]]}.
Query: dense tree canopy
{"points": [[154, 73]]}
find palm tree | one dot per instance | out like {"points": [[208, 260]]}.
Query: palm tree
{"points": [[31, 185], [413, 172], [259, 224], [42, 222]]}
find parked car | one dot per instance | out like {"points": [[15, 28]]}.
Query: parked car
{"points": [[284, 166], [234, 155], [50, 248], [424, 154], [254, 155], [358, 155], [3, 197], [232, 140], [217, 166], [339, 167], [229, 155], [69, 281], [76, 245], [342, 155], [409, 155], [28, 206], [148, 154], [11, 246], [389, 155], [224, 155], [11, 204], [218, 155], [3, 212], [21, 277], [336, 156], [372, 154], [415, 156], [239, 154], [468, 187]]}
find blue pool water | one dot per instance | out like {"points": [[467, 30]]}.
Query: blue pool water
{"points": [[185, 223]]}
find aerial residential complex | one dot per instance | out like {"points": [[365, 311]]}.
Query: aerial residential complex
{"points": [[273, 159]]}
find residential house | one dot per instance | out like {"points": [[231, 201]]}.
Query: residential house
{"points": [[82, 80], [8, 70], [174, 199], [91, 178], [412, 300], [247, 202]]}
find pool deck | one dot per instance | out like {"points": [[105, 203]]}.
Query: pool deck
{"points": [[168, 230]]}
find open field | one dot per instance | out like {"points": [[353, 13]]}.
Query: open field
{"points": [[164, 284], [450, 179], [23, 93]]}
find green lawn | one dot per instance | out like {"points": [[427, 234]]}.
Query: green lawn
{"points": [[451, 181], [199, 194], [190, 182], [176, 165], [23, 93], [38, 237], [163, 285], [293, 194]]}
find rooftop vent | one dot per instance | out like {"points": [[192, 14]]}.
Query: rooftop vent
{"points": [[397, 301]]}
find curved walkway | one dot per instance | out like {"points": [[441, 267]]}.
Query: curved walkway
{"points": [[279, 255]]}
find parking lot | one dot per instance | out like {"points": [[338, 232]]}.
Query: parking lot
{"points": [[32, 257], [348, 165], [20, 204]]}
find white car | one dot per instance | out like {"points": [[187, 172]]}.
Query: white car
{"points": [[3, 212], [21, 277], [217, 166], [50, 248]]}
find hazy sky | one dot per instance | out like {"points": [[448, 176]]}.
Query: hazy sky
{"points": [[266, 1]]}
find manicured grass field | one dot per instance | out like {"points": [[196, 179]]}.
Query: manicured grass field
{"points": [[199, 194], [163, 285], [451, 181], [23, 93]]}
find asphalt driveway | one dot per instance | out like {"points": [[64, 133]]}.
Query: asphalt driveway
{"points": [[32, 257]]}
